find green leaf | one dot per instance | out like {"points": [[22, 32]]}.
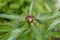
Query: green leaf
{"points": [[11, 17], [53, 25], [24, 34], [15, 33], [6, 27], [38, 16], [47, 7], [31, 7], [42, 28], [55, 34], [36, 32], [48, 17], [15, 24]]}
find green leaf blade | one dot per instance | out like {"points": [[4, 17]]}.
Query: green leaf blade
{"points": [[52, 26], [36, 32]]}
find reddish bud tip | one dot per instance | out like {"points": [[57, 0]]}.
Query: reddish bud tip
{"points": [[29, 19]]}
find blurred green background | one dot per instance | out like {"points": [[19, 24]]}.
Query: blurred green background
{"points": [[22, 8], [19, 7]]}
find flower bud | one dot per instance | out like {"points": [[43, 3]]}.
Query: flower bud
{"points": [[29, 19]]}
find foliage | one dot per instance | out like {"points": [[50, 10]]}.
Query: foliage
{"points": [[14, 26]]}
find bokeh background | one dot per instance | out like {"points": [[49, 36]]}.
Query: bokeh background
{"points": [[21, 8]]}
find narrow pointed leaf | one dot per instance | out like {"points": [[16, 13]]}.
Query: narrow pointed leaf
{"points": [[6, 27], [53, 25], [15, 33], [24, 34], [48, 17], [11, 17], [31, 7], [36, 32], [47, 7]]}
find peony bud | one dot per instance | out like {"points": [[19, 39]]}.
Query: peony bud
{"points": [[29, 19]]}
